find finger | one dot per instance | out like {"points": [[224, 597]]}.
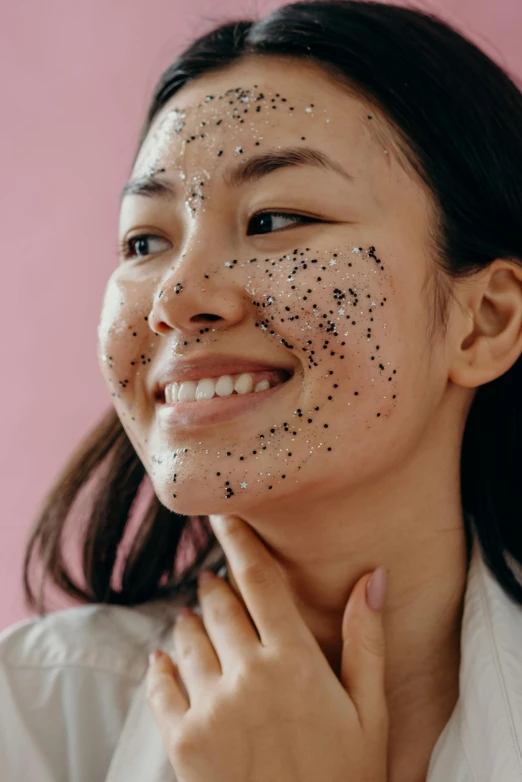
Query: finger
{"points": [[227, 623], [195, 657], [363, 657], [164, 696], [261, 583]]}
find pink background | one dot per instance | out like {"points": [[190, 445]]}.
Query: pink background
{"points": [[76, 82]]}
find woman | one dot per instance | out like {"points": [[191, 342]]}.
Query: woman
{"points": [[314, 329]]}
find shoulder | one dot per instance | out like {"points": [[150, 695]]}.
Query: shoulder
{"points": [[67, 681], [112, 638]]}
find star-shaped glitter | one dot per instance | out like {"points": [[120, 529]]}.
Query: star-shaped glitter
{"points": [[244, 485], [333, 262], [263, 327], [356, 250], [270, 300], [341, 312], [228, 264]]}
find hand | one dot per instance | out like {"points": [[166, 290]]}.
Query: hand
{"points": [[239, 709]]}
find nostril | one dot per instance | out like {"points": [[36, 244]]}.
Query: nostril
{"points": [[205, 317]]}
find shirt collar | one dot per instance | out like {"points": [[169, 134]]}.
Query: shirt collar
{"points": [[482, 740]]}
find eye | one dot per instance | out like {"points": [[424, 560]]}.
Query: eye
{"points": [[263, 221], [129, 247]]}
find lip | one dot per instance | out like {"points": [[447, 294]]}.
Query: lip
{"points": [[214, 366], [184, 415]]}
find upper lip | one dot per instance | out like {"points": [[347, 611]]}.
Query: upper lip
{"points": [[198, 367]]}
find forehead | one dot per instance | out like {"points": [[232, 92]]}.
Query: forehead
{"points": [[264, 100], [288, 76], [265, 104]]}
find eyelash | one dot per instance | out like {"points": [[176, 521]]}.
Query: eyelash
{"points": [[125, 248]]}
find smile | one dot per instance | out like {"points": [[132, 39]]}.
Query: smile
{"points": [[223, 386], [188, 410]]}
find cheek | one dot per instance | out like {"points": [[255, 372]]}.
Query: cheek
{"points": [[124, 342], [331, 308]]}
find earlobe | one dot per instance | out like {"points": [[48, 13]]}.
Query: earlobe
{"points": [[493, 305]]}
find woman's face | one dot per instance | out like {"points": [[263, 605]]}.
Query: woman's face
{"points": [[317, 267]]}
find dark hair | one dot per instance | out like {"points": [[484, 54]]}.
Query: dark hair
{"points": [[458, 118]]}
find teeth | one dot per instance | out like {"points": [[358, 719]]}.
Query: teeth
{"points": [[244, 384], [207, 388], [187, 391], [171, 393], [224, 385]]}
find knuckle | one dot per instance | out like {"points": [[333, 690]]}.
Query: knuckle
{"points": [[155, 685], [301, 672], [153, 689], [209, 717], [185, 744], [243, 679], [226, 610], [296, 663], [256, 575], [276, 669], [247, 684], [373, 645], [184, 646]]}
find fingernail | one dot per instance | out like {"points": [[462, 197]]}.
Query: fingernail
{"points": [[376, 589], [154, 655]]}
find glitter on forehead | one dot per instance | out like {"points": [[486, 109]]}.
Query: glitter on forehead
{"points": [[217, 121]]}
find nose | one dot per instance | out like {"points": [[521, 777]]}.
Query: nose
{"points": [[196, 293]]}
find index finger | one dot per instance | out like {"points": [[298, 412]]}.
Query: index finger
{"points": [[263, 588]]}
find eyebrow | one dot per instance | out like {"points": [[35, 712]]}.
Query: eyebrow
{"points": [[249, 170]]}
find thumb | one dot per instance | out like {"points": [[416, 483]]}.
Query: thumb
{"points": [[363, 656]]}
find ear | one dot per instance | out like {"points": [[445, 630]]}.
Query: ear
{"points": [[488, 324]]}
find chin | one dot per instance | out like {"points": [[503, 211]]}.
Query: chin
{"points": [[190, 506]]}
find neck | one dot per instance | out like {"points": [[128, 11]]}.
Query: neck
{"points": [[412, 523]]}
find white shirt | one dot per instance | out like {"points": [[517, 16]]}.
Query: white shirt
{"points": [[73, 706]]}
